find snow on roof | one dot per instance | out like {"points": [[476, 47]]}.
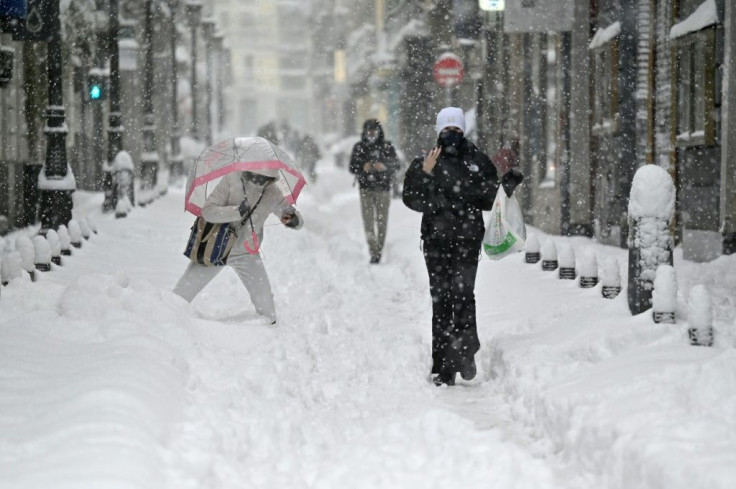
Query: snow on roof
{"points": [[652, 193], [603, 36], [705, 15]]}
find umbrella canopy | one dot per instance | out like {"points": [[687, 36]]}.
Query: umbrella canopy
{"points": [[241, 154]]}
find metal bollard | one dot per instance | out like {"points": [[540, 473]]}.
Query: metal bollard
{"points": [[567, 262], [532, 254], [700, 317], [64, 240], [42, 254], [588, 270], [75, 233], [53, 238], [549, 256], [664, 295], [10, 267], [611, 278], [84, 229], [24, 246]]}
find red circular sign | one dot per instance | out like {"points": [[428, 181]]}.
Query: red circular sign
{"points": [[448, 70]]}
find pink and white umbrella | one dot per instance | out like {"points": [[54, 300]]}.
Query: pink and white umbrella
{"points": [[241, 154]]}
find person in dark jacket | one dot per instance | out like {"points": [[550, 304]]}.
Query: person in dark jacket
{"points": [[374, 163], [452, 186]]}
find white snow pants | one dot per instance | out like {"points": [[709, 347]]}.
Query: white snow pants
{"points": [[251, 272]]}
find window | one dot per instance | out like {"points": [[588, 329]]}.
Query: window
{"points": [[695, 72], [605, 88]]}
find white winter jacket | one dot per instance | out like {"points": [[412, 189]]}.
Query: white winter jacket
{"points": [[222, 206]]}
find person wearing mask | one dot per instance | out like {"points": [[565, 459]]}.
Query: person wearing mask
{"points": [[451, 186], [374, 163], [249, 196]]}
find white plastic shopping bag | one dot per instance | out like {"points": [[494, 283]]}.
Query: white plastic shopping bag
{"points": [[506, 233]]}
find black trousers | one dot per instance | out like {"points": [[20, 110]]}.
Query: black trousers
{"points": [[452, 267]]}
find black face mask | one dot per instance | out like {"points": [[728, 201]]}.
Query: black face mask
{"points": [[450, 141]]}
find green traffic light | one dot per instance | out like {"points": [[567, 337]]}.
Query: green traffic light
{"points": [[95, 92]]}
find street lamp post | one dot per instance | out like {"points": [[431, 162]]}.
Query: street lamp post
{"points": [[56, 181], [194, 16], [176, 164], [208, 30], [149, 157], [219, 45]]}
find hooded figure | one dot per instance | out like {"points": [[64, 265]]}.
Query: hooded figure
{"points": [[374, 163], [247, 195], [451, 187]]}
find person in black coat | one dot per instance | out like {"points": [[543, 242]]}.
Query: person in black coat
{"points": [[374, 163], [451, 187]]}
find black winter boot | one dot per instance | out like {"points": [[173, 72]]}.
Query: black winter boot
{"points": [[468, 370], [444, 378]]}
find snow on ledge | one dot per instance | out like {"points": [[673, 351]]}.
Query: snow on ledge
{"points": [[705, 15], [603, 36]]}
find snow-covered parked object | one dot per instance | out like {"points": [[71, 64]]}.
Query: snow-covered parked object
{"points": [[53, 238], [64, 240], [566, 260], [588, 269], [91, 224], [700, 317], [611, 278], [42, 253], [10, 267], [651, 207], [84, 228], [664, 295], [123, 181], [24, 246], [549, 256], [75, 233], [532, 249]]}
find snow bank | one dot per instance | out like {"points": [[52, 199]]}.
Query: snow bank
{"points": [[532, 244], [549, 250], [588, 264], [611, 273], [664, 295]]}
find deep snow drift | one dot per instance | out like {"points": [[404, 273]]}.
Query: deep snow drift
{"points": [[108, 380]]}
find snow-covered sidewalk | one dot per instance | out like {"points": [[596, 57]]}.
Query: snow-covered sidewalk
{"points": [[109, 380]]}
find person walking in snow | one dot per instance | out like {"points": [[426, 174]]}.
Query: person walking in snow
{"points": [[451, 186], [374, 163], [248, 195], [309, 155]]}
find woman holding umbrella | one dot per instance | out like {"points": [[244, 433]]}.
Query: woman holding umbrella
{"points": [[248, 196]]}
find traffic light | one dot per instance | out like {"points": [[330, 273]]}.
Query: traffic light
{"points": [[96, 86]]}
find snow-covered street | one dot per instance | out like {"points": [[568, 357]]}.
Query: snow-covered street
{"points": [[109, 380]]}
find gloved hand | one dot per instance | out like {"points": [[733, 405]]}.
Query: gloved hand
{"points": [[244, 207], [290, 219], [510, 180]]}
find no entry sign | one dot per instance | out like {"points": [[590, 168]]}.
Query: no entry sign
{"points": [[448, 70]]}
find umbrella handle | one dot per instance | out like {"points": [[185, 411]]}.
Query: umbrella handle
{"points": [[256, 244]]}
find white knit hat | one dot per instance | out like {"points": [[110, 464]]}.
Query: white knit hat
{"points": [[450, 116]]}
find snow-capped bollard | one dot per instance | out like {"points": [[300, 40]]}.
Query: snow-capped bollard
{"points": [[567, 262], [75, 233], [549, 256], [24, 246], [42, 254], [91, 224], [84, 229], [651, 207], [664, 295], [123, 207], [53, 238], [588, 270], [10, 267], [611, 278], [123, 182], [700, 317], [64, 240], [532, 254]]}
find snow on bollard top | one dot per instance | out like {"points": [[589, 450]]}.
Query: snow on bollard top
{"points": [[652, 194], [611, 273], [84, 228], [664, 295], [64, 239], [24, 246], [42, 250], [699, 311], [11, 267], [566, 256], [75, 233], [588, 264], [532, 244], [549, 250], [123, 161], [54, 243]]}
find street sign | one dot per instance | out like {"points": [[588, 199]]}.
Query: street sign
{"points": [[41, 22], [448, 70]]}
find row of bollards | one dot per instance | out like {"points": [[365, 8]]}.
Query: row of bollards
{"points": [[40, 252], [664, 303]]}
